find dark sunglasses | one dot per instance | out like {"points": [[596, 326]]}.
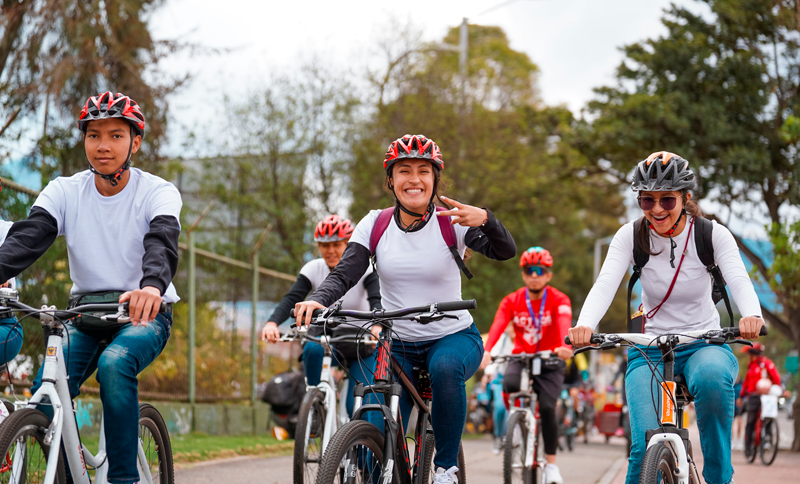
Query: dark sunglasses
{"points": [[648, 203], [538, 270]]}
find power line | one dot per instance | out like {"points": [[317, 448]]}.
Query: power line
{"points": [[501, 5]]}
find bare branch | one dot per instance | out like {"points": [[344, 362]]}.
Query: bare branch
{"points": [[10, 120]]}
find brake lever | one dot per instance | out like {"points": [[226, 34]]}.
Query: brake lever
{"points": [[120, 317], [741, 342]]}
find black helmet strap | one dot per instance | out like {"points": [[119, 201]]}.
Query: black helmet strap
{"points": [[672, 243], [115, 177]]}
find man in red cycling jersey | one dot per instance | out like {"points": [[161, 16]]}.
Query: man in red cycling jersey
{"points": [[542, 315], [759, 368]]}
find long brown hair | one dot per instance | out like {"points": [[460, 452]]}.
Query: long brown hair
{"points": [[642, 238]]}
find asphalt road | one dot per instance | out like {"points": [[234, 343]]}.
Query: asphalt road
{"points": [[587, 464]]}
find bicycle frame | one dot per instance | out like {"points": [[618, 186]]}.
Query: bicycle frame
{"points": [[63, 427], [526, 393], [393, 420], [327, 385]]}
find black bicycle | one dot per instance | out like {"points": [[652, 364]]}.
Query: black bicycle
{"points": [[359, 452], [668, 458]]}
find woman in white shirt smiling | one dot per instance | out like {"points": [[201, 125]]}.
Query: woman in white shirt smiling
{"points": [[416, 267], [677, 297]]}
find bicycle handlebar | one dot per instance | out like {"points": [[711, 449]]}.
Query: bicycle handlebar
{"points": [[321, 315], [714, 336], [70, 313], [544, 355], [364, 339]]}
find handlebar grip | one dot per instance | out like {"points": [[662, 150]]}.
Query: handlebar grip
{"points": [[457, 305], [764, 331], [316, 313], [595, 339]]}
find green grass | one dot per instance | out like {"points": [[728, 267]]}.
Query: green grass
{"points": [[199, 447]]}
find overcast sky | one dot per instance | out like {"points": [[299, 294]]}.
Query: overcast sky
{"points": [[574, 42]]}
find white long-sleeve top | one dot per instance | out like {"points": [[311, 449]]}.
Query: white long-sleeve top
{"points": [[689, 307]]}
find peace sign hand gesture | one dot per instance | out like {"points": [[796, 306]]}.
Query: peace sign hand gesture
{"points": [[464, 215]]}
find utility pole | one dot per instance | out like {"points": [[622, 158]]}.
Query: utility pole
{"points": [[192, 304], [463, 47], [254, 322]]}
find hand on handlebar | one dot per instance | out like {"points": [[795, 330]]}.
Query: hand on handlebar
{"points": [[563, 352], [144, 304], [270, 332], [580, 336], [750, 327], [303, 312]]}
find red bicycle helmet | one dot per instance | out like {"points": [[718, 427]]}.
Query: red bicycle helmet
{"points": [[536, 256], [109, 105], [413, 146], [333, 229]]}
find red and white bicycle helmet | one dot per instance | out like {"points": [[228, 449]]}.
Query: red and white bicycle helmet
{"points": [[333, 229], [415, 147], [109, 105], [536, 256]]}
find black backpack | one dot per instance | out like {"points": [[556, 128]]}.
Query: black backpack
{"points": [[285, 392], [705, 250]]}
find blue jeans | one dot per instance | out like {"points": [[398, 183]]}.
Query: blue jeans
{"points": [[130, 351], [451, 361], [10, 339], [710, 373], [359, 371], [498, 407]]}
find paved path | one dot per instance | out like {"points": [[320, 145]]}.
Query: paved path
{"points": [[785, 469], [586, 464]]}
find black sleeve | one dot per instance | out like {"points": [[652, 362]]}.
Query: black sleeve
{"points": [[160, 259], [345, 275], [492, 240], [300, 289], [26, 241], [373, 286]]}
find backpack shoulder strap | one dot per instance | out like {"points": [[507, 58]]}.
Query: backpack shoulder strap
{"points": [[640, 259], [704, 228], [449, 236], [381, 224]]}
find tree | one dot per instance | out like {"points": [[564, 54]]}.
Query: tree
{"points": [[502, 149], [54, 54], [720, 90]]}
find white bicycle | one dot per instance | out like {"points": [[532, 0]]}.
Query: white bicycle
{"points": [[668, 458], [321, 414], [32, 443]]}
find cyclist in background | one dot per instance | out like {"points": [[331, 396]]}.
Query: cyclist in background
{"points": [[416, 267], [676, 295], [494, 373], [331, 236], [541, 316], [759, 367], [121, 227]]}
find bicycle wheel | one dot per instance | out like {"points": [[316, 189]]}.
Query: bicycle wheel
{"points": [[156, 445], [770, 436], [22, 444], [308, 437], [658, 466], [515, 449], [355, 453], [428, 468], [750, 451]]}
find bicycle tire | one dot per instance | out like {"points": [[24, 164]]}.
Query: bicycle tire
{"points": [[770, 438], [750, 452], [658, 461], [313, 407], [152, 421], [427, 462], [30, 425], [514, 455], [352, 434]]}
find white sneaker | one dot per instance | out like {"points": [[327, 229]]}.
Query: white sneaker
{"points": [[552, 475], [445, 476]]}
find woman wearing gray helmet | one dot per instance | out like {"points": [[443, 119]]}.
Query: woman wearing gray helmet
{"points": [[676, 297]]}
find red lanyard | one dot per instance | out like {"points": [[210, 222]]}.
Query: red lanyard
{"points": [[653, 311]]}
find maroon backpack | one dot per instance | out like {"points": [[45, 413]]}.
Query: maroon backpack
{"points": [[446, 228]]}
